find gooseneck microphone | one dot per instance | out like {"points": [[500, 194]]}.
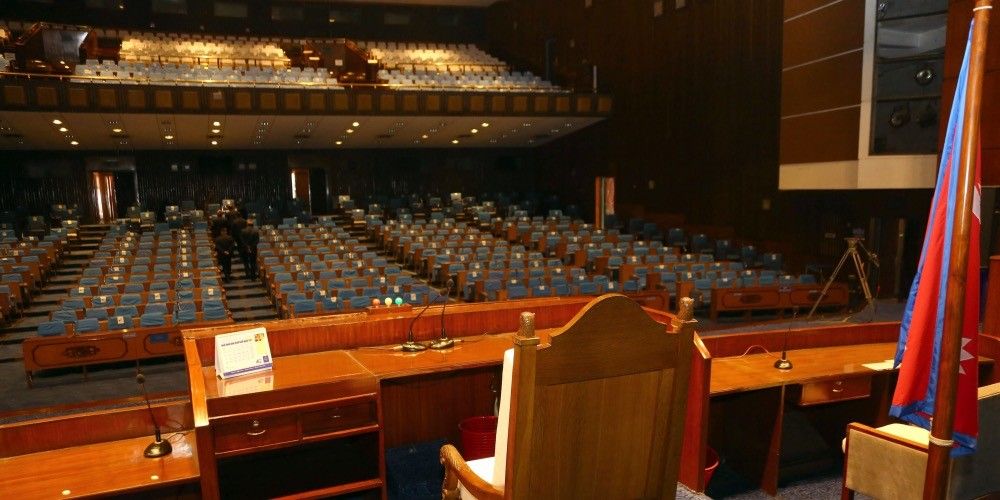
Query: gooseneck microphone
{"points": [[784, 363], [444, 342], [159, 447], [410, 345]]}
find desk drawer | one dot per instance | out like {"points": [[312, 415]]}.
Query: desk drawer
{"points": [[250, 432], [338, 418], [829, 391]]}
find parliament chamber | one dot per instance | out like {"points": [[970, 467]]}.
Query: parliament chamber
{"points": [[659, 248]]}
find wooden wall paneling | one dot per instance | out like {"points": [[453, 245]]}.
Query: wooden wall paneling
{"points": [[77, 97], [411, 103], [15, 95], [163, 99], [387, 101], [46, 97], [821, 137], [498, 104], [190, 100], [242, 101], [317, 102], [135, 99], [292, 102], [828, 31], [268, 101], [432, 103], [455, 103], [341, 102], [833, 83], [477, 103], [363, 102]]}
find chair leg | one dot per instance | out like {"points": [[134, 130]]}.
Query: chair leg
{"points": [[846, 494]]}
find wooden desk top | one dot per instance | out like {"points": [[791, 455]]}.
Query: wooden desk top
{"points": [[757, 371], [112, 467], [288, 372], [472, 352]]}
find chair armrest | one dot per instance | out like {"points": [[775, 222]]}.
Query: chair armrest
{"points": [[457, 471], [882, 464]]}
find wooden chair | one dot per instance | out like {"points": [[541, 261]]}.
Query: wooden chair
{"points": [[889, 462], [596, 413]]}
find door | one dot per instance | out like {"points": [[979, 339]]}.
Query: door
{"points": [[102, 187]]}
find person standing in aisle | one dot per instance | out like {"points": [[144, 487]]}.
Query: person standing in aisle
{"points": [[224, 251], [249, 237]]}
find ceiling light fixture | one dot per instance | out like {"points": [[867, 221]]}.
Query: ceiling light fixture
{"points": [[116, 130], [168, 137], [216, 124], [215, 143], [74, 143], [485, 124], [57, 122], [424, 136], [63, 129], [216, 130], [356, 124], [339, 143], [350, 131], [474, 131], [454, 141]]}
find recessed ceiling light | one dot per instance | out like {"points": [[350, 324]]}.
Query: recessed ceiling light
{"points": [[57, 122], [74, 143], [554, 131], [416, 141], [356, 124], [454, 141], [215, 143], [116, 130], [216, 130], [63, 129], [424, 136], [339, 143], [433, 130], [168, 137], [485, 124], [474, 131], [216, 124], [526, 124], [350, 131]]}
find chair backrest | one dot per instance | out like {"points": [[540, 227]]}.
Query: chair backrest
{"points": [[550, 456]]}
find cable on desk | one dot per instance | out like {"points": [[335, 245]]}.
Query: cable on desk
{"points": [[756, 345]]}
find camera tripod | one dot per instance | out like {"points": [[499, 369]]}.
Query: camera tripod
{"points": [[854, 252]]}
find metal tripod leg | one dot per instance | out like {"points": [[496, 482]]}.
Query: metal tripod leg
{"points": [[833, 277], [862, 276]]}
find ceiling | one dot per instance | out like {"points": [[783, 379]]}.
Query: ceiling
{"points": [[33, 131], [460, 3]]}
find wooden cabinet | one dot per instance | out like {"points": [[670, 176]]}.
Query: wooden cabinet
{"points": [[310, 427]]}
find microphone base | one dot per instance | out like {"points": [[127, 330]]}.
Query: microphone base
{"points": [[411, 346], [783, 364], [158, 449], [445, 343]]}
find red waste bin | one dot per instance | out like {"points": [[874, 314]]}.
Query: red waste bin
{"points": [[711, 463], [479, 437]]}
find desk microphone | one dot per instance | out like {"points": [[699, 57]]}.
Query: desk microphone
{"points": [[410, 345], [159, 447], [444, 342], [784, 363]]}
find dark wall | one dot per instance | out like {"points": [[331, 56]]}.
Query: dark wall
{"points": [[36, 181], [696, 98], [359, 21], [697, 103], [31, 184]]}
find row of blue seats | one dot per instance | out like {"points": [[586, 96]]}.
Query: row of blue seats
{"points": [[184, 312]]}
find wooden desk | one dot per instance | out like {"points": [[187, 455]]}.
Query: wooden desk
{"points": [[343, 408], [113, 467]]}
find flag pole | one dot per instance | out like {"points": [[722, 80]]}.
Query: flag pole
{"points": [[939, 451]]}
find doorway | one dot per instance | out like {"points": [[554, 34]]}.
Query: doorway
{"points": [[112, 192]]}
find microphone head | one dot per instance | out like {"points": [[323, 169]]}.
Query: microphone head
{"points": [[451, 282], [140, 378]]}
